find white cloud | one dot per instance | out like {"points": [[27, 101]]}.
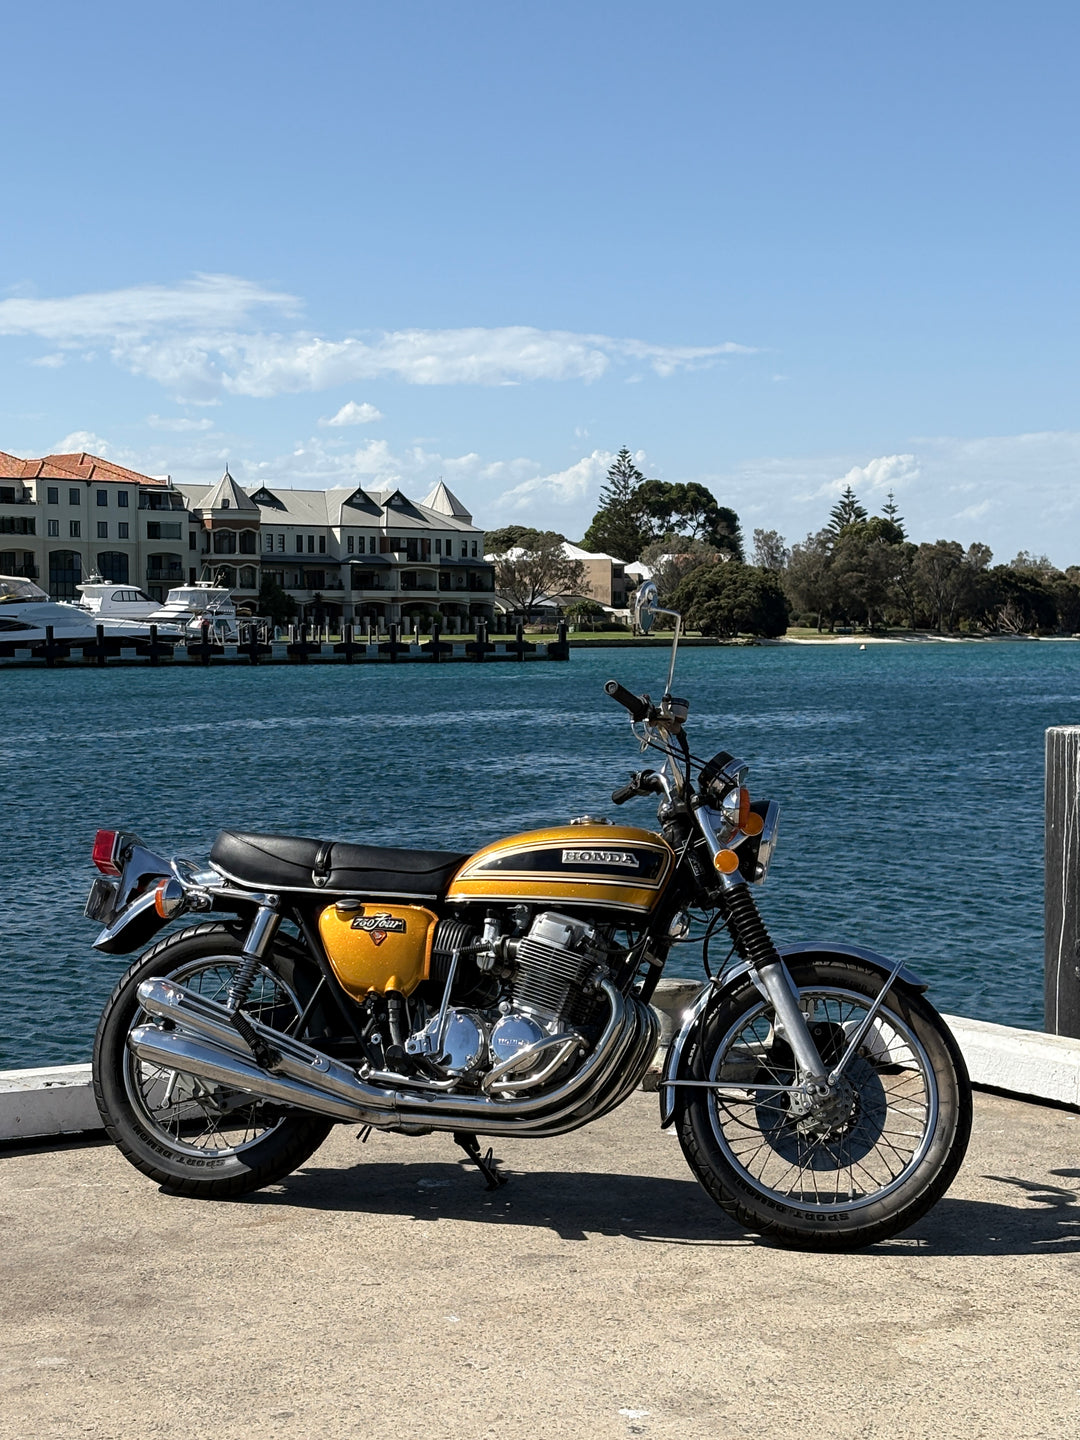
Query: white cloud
{"points": [[195, 339], [80, 440], [204, 301], [50, 362], [177, 423], [353, 414], [876, 477], [560, 491]]}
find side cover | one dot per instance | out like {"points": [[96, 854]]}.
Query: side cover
{"points": [[378, 947], [613, 866]]}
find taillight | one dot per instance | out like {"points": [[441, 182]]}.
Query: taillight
{"points": [[106, 845]]}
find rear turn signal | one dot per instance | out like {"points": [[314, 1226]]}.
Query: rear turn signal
{"points": [[168, 897], [104, 852]]}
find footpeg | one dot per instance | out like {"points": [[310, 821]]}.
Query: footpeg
{"points": [[486, 1164]]}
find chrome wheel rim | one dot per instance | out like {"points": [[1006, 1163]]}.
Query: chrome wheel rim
{"points": [[202, 1117], [879, 1135]]}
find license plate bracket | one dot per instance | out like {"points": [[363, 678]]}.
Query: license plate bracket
{"points": [[101, 902]]}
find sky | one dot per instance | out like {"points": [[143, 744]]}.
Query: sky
{"points": [[773, 248]]}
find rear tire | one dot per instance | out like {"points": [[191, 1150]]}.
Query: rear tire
{"points": [[196, 1137], [893, 1147]]}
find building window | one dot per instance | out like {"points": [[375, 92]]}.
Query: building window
{"points": [[76, 529], [102, 529], [247, 578], [224, 542], [281, 541], [52, 495], [191, 540], [162, 530], [438, 547], [247, 542], [322, 544], [311, 544], [73, 497], [103, 497], [122, 499], [18, 525], [122, 530], [225, 504], [269, 541], [464, 550], [372, 545], [65, 572], [299, 544], [54, 529], [474, 549], [113, 565]]}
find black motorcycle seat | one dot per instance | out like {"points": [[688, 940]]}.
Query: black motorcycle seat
{"points": [[290, 862]]}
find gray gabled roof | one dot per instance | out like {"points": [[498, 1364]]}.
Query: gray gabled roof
{"points": [[445, 502], [227, 495]]}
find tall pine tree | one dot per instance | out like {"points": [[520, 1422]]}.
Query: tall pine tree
{"points": [[846, 511], [619, 527]]}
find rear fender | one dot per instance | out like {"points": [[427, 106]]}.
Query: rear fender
{"points": [[696, 1015]]}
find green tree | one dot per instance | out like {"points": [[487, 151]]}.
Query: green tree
{"points": [[770, 551], [846, 511], [891, 512], [808, 580], [537, 569], [732, 599], [619, 528], [692, 511], [672, 559], [497, 542], [275, 603]]}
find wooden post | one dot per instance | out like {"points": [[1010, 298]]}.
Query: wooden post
{"points": [[519, 640], [1062, 880]]}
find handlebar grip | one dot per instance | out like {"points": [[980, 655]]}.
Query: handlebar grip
{"points": [[638, 708], [625, 792]]}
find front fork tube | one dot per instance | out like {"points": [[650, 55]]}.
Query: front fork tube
{"points": [[754, 945]]}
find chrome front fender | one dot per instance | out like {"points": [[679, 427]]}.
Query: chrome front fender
{"points": [[807, 950]]}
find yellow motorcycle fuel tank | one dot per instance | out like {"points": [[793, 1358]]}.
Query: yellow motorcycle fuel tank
{"points": [[377, 947], [614, 866]]}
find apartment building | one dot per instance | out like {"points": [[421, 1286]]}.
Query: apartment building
{"points": [[64, 517], [347, 554]]}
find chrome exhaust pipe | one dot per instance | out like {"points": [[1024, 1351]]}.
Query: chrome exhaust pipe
{"points": [[173, 1050], [311, 1080]]}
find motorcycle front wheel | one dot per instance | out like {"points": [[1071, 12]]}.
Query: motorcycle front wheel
{"points": [[885, 1149], [195, 1136]]}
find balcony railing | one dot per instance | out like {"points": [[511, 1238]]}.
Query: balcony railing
{"points": [[170, 572]]}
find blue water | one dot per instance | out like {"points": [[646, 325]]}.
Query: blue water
{"points": [[910, 779]]}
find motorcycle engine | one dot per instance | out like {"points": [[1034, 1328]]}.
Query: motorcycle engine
{"points": [[551, 989]]}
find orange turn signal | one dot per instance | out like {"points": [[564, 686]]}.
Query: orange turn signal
{"points": [[753, 825], [726, 861]]}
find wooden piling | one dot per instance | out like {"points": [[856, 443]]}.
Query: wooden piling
{"points": [[1062, 881]]}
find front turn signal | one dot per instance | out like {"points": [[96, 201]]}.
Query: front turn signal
{"points": [[755, 824], [726, 861]]}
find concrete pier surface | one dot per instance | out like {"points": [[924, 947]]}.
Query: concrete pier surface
{"points": [[382, 1291]]}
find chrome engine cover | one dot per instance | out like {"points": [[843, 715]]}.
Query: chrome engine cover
{"points": [[464, 1042]]}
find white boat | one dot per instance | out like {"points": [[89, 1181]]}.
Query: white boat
{"points": [[105, 599], [26, 610], [189, 605]]}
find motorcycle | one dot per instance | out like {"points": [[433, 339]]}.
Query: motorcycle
{"points": [[817, 1095]]}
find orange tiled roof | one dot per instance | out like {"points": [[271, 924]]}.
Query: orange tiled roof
{"points": [[77, 467]]}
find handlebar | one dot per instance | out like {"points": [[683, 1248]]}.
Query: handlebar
{"points": [[639, 708], [642, 782]]}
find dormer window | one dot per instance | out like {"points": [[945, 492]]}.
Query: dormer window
{"points": [[224, 504]]}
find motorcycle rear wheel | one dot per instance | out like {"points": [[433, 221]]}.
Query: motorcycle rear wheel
{"points": [[892, 1146], [192, 1136]]}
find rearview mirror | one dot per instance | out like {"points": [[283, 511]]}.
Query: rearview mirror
{"points": [[645, 604]]}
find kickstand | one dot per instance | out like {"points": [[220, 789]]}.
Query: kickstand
{"points": [[486, 1164]]}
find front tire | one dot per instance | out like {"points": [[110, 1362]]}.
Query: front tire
{"points": [[197, 1137], [886, 1153]]}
